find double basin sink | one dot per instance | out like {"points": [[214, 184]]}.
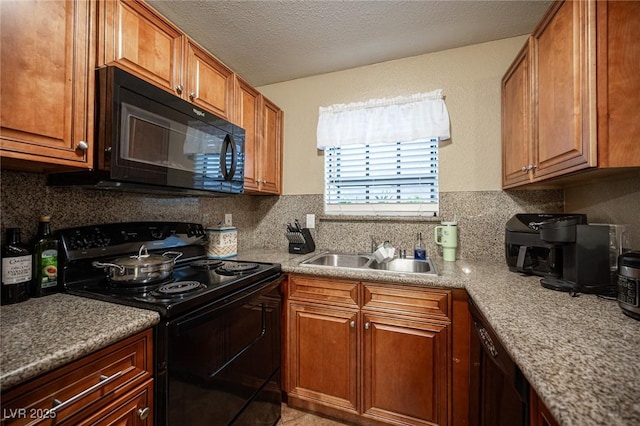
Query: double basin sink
{"points": [[367, 262]]}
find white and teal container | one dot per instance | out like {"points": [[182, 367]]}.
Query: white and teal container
{"points": [[223, 242]]}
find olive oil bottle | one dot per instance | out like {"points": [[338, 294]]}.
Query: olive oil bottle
{"points": [[16, 269], [45, 260]]}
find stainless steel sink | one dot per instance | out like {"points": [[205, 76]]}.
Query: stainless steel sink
{"points": [[339, 260], [366, 262], [406, 265]]}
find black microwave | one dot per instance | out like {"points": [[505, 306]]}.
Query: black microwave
{"points": [[149, 140]]}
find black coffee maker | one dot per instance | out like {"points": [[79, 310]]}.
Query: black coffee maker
{"points": [[525, 252], [585, 255]]}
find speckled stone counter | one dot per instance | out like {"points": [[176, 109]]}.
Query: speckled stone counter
{"points": [[581, 354], [41, 334]]}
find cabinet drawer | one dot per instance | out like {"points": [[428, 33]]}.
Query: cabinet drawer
{"points": [[323, 290], [134, 408], [90, 382], [411, 301]]}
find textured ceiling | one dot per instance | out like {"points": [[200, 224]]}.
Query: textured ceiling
{"points": [[274, 40]]}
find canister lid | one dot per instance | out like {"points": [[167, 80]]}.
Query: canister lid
{"points": [[630, 259]]}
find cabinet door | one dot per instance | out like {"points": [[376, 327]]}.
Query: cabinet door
{"points": [[209, 83], [271, 148], [133, 409], [46, 81], [248, 117], [406, 370], [564, 82], [516, 121], [139, 40], [323, 355], [618, 83]]}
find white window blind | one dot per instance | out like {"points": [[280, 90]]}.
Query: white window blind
{"points": [[383, 179]]}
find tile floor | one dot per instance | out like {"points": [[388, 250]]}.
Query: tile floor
{"points": [[293, 417]]}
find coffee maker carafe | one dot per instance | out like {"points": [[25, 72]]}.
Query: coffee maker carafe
{"points": [[585, 256]]}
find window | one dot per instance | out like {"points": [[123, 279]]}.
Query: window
{"points": [[381, 156], [385, 179]]}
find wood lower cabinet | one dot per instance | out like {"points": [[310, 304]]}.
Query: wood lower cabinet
{"points": [[539, 413], [406, 376], [46, 84], [111, 386], [376, 353], [571, 86], [323, 354]]}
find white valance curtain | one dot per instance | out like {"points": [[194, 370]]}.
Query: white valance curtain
{"points": [[387, 120]]}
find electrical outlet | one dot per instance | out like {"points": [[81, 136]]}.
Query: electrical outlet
{"points": [[311, 221], [228, 219]]}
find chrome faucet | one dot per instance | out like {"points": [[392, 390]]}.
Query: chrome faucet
{"points": [[374, 245]]}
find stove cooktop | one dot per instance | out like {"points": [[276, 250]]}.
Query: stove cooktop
{"points": [[191, 286]]}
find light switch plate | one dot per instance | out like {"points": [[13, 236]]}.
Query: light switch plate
{"points": [[228, 219]]}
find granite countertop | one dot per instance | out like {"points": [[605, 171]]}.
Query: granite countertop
{"points": [[579, 353], [41, 334]]}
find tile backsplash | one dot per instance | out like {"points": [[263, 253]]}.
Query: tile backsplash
{"points": [[261, 220]]}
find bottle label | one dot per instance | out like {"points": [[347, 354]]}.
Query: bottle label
{"points": [[49, 264], [16, 270]]}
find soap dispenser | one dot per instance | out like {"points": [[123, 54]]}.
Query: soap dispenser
{"points": [[419, 251]]}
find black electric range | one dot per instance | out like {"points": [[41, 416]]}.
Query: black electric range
{"points": [[217, 345]]}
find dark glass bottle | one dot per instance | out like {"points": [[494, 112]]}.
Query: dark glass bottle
{"points": [[16, 269], [45, 260]]}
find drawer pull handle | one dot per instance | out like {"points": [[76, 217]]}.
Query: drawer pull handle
{"points": [[104, 380], [143, 413]]}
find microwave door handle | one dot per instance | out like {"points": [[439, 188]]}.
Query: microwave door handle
{"points": [[226, 174]]}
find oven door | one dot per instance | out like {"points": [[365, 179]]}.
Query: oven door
{"points": [[223, 363], [154, 137]]}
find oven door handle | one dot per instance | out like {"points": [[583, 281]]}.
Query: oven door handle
{"points": [[263, 330], [212, 311]]}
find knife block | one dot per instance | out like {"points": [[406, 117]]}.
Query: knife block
{"points": [[301, 242]]}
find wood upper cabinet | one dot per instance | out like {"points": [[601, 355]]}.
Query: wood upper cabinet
{"points": [[46, 84], [583, 69], [263, 124], [381, 352], [564, 90], [618, 46], [138, 39], [516, 120], [209, 83]]}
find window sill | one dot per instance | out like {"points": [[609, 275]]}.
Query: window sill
{"points": [[395, 219]]}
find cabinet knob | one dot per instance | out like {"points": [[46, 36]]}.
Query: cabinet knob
{"points": [[524, 168], [264, 181], [352, 324], [143, 413], [82, 145], [179, 88], [192, 95], [367, 326]]}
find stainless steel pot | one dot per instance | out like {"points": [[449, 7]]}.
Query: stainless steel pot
{"points": [[143, 268]]}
